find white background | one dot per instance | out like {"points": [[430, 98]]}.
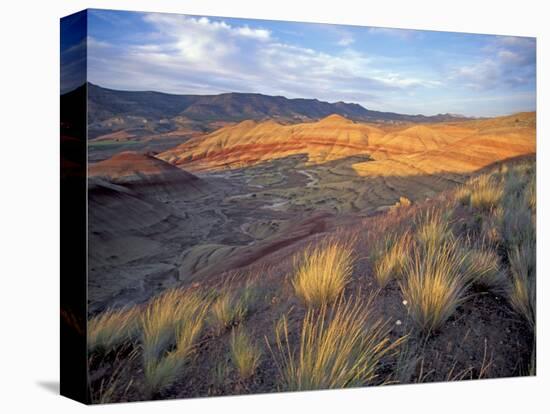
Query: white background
{"points": [[29, 215]]}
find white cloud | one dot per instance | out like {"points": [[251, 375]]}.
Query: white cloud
{"points": [[206, 56], [260, 34], [346, 41], [507, 61]]}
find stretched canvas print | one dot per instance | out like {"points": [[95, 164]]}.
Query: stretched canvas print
{"points": [[255, 206]]}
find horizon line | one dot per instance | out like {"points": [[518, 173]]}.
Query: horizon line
{"points": [[458, 115]]}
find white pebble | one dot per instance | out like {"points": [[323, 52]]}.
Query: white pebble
{"points": [[405, 302], [398, 322]]}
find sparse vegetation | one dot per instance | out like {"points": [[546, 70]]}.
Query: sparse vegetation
{"points": [[391, 257], [403, 202], [433, 230], [482, 268], [218, 377], [338, 347], [171, 326], [433, 285], [112, 328], [244, 353], [229, 309], [322, 272], [523, 271], [516, 223], [444, 255], [486, 193], [463, 195]]}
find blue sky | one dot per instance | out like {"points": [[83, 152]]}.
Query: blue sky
{"points": [[406, 71]]}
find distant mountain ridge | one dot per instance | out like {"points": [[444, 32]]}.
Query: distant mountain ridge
{"points": [[110, 110]]}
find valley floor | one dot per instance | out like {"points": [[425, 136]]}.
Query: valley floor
{"points": [[235, 249]]}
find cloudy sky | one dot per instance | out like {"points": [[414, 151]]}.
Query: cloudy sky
{"points": [[406, 71]]}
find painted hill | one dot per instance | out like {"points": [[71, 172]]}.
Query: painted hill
{"points": [[458, 147], [142, 173], [154, 112], [251, 142], [451, 148], [130, 167]]}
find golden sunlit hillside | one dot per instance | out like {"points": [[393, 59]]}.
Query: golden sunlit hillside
{"points": [[405, 150]]}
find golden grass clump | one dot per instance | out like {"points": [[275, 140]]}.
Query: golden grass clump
{"points": [[229, 309], [338, 347], [522, 295], [244, 353], [433, 285], [391, 258], [486, 193], [322, 272], [433, 230], [171, 325], [403, 202], [482, 268], [112, 328], [463, 194]]}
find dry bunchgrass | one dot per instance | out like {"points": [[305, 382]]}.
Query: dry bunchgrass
{"points": [[482, 268], [516, 225], [514, 181], [218, 377], [433, 230], [486, 193], [433, 285], [229, 309], [522, 293], [112, 328], [323, 271], [391, 257], [244, 353], [463, 194], [491, 226], [338, 347], [402, 203], [171, 324]]}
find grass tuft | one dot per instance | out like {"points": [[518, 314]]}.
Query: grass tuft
{"points": [[227, 310], [171, 325], [486, 193], [112, 328], [402, 203], [433, 230], [516, 225], [244, 353], [322, 272], [391, 257], [433, 285], [522, 293], [463, 195], [482, 268], [338, 347]]}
